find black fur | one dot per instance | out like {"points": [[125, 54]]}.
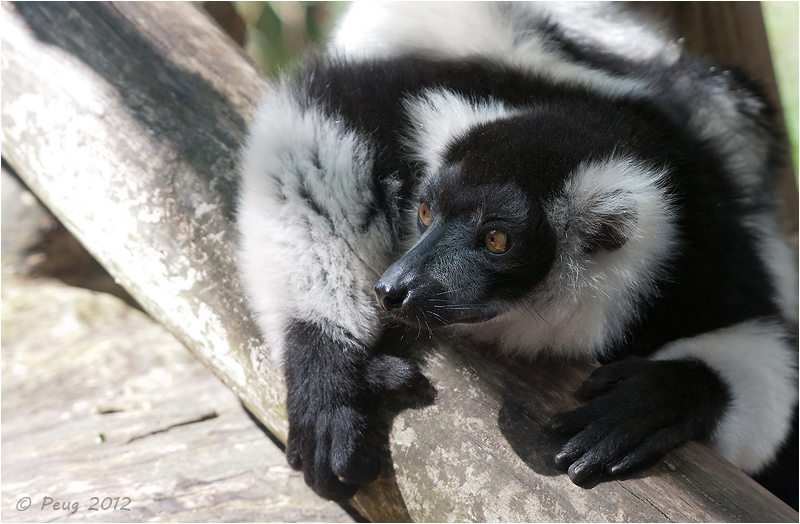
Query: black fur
{"points": [[333, 383]]}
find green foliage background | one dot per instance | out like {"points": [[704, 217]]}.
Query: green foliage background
{"points": [[280, 32], [781, 19]]}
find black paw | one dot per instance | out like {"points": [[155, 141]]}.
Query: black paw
{"points": [[330, 414], [326, 445], [638, 411]]}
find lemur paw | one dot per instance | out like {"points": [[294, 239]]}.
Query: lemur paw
{"points": [[328, 423], [638, 411], [326, 446]]}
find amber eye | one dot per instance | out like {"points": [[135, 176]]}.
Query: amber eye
{"points": [[424, 215], [496, 241]]}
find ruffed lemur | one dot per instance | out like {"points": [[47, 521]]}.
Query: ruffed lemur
{"points": [[551, 178]]}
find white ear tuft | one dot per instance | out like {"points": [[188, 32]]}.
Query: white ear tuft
{"points": [[609, 203], [609, 220]]}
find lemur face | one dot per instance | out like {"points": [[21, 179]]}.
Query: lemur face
{"points": [[492, 216], [484, 241]]}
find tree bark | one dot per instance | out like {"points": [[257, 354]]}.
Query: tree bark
{"points": [[125, 119]]}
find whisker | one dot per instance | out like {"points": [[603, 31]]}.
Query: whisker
{"points": [[438, 317], [425, 319]]}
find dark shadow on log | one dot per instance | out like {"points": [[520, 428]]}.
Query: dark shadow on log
{"points": [[185, 105], [416, 396]]}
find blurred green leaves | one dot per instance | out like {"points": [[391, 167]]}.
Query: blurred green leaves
{"points": [[279, 32], [781, 19]]}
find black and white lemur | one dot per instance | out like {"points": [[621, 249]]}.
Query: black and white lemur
{"points": [[552, 178]]}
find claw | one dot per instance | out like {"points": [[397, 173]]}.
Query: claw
{"points": [[582, 472]]}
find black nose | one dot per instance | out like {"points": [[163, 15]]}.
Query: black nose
{"points": [[390, 297]]}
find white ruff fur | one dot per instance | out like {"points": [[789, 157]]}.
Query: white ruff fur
{"points": [[611, 26], [506, 34], [760, 368], [463, 30], [778, 261], [718, 117], [306, 252], [586, 300]]}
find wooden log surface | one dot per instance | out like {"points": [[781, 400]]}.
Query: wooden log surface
{"points": [[114, 417], [125, 119]]}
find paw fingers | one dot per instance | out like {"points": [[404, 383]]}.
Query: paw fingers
{"points": [[299, 447], [293, 454], [591, 452], [648, 452], [584, 472], [327, 485], [584, 460], [388, 373], [359, 471], [321, 477], [346, 443], [577, 447], [586, 456], [328, 453], [565, 458]]}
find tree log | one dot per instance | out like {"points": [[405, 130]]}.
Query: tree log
{"points": [[125, 119]]}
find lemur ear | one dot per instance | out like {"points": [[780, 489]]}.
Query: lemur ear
{"points": [[612, 220]]}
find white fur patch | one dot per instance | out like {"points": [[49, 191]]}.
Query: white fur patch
{"points": [[439, 117], [463, 30], [587, 299], [778, 260], [612, 26], [307, 250], [718, 116], [760, 368]]}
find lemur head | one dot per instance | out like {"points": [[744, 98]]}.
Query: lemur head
{"points": [[514, 208]]}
